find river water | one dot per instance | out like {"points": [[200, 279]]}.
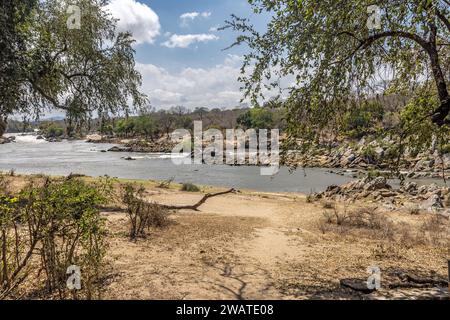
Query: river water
{"points": [[30, 156]]}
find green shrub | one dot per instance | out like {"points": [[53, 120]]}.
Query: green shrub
{"points": [[445, 149], [369, 153], [372, 174], [142, 215], [59, 221], [362, 118], [52, 130], [190, 187]]}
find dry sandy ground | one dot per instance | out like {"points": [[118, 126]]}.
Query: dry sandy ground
{"points": [[267, 246], [260, 246]]}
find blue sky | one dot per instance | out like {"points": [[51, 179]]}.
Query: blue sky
{"points": [[180, 53], [204, 54]]}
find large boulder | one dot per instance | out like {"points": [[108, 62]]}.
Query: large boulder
{"points": [[377, 184], [410, 187], [92, 138], [348, 160], [355, 185], [434, 203], [379, 151], [4, 140]]}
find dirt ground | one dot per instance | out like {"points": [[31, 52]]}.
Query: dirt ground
{"points": [[266, 246]]}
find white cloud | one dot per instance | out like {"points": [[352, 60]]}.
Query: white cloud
{"points": [[214, 87], [214, 29], [184, 41], [191, 16], [137, 18], [193, 87]]}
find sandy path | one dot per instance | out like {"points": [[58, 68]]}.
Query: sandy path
{"points": [[244, 246]]}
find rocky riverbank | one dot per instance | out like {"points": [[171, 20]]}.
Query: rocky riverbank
{"points": [[430, 198], [5, 140], [373, 155], [344, 158], [162, 145]]}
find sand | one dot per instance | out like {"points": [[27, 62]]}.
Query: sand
{"points": [[260, 246]]}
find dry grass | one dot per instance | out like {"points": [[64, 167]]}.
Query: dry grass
{"points": [[279, 246], [142, 215], [434, 230]]}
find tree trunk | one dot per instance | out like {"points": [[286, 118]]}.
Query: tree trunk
{"points": [[441, 113], [3, 124]]}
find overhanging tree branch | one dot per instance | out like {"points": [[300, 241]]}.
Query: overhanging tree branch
{"points": [[443, 18]]}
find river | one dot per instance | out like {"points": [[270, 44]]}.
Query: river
{"points": [[30, 156]]}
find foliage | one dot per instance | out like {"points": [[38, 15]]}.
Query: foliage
{"points": [[59, 221], [256, 118], [142, 215], [81, 71], [362, 118], [339, 62], [421, 132], [189, 187], [52, 130]]}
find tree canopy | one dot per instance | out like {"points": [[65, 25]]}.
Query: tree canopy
{"points": [[48, 65], [337, 58]]}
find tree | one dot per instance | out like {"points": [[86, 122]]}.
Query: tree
{"points": [[125, 127], [167, 121], [83, 70], [256, 118], [145, 125], [336, 55], [12, 48]]}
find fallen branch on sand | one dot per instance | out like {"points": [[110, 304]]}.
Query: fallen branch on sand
{"points": [[201, 202], [412, 281], [408, 281]]}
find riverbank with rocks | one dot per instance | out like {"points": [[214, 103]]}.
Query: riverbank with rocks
{"points": [[356, 157], [410, 195], [347, 158], [162, 145], [5, 140]]}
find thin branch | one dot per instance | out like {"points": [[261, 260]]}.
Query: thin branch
{"points": [[443, 18]]}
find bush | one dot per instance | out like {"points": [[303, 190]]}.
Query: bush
{"points": [[445, 149], [166, 183], [59, 221], [364, 218], [52, 130], [256, 118], [369, 153], [189, 187], [328, 205], [362, 118], [143, 215]]}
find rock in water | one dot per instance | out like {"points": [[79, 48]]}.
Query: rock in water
{"points": [[118, 149], [94, 138]]}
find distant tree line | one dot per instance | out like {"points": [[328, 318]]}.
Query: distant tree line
{"points": [[153, 124]]}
